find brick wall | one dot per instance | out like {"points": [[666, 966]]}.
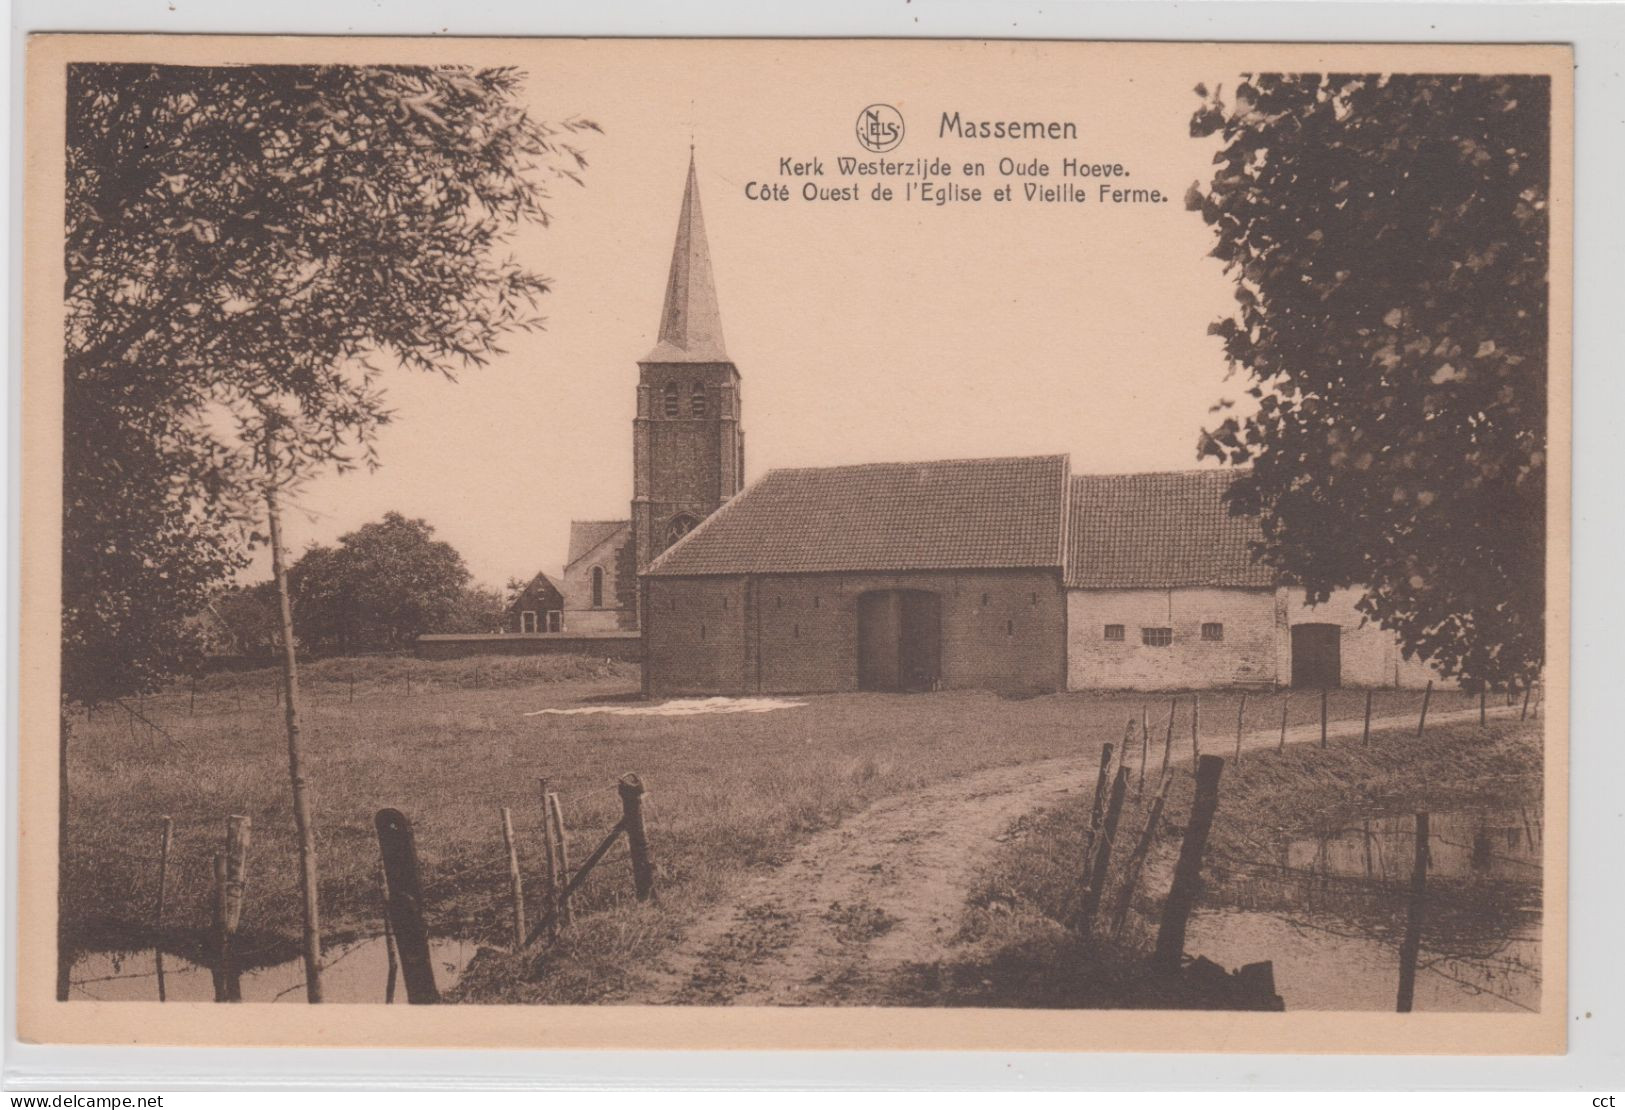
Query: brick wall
{"points": [[1247, 654], [799, 633], [625, 646]]}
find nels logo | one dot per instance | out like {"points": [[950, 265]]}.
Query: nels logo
{"points": [[880, 128]]}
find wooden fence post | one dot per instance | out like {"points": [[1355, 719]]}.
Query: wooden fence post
{"points": [[165, 841], [1176, 910], [1412, 944], [637, 837], [1483, 709], [1196, 725], [515, 880], [1145, 748], [1136, 860], [1286, 702], [1103, 850], [1168, 742], [1365, 733], [230, 876], [405, 891], [1523, 714], [1323, 716], [1097, 806], [1241, 722], [550, 889], [561, 849], [1422, 722]]}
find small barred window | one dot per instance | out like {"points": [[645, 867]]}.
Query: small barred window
{"points": [[1213, 630], [1114, 632], [1156, 637]]}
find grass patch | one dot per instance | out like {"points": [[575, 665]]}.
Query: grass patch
{"points": [[727, 792], [1023, 944]]}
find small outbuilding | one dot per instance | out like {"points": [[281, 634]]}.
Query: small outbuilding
{"points": [[539, 607]]}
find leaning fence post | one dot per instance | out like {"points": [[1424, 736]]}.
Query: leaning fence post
{"points": [[1241, 721], [637, 838], [1286, 702], [1096, 807], [1412, 944], [1176, 910], [1103, 850], [1365, 733], [561, 849], [405, 888], [1136, 860], [1168, 742], [1422, 722], [164, 843], [222, 942], [1483, 709], [1523, 714], [1196, 725], [1323, 716], [515, 880]]}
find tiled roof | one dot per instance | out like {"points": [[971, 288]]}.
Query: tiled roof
{"points": [[1160, 530], [585, 535], [955, 514]]}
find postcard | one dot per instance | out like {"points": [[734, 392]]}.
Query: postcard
{"points": [[672, 543]]}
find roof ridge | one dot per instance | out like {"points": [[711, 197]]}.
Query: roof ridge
{"points": [[915, 462], [1195, 470]]}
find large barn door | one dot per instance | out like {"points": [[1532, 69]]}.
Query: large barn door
{"points": [[880, 620], [1317, 661], [920, 650], [899, 640]]}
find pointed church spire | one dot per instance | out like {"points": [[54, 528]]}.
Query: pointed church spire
{"points": [[690, 325]]}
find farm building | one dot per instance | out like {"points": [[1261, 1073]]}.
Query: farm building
{"points": [[1007, 574], [539, 607], [894, 576]]}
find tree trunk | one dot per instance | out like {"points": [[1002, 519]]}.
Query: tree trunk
{"points": [[64, 950], [296, 772]]}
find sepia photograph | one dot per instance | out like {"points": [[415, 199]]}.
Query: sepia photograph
{"points": [[856, 543]]}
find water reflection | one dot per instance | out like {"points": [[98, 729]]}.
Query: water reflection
{"points": [[1329, 911], [355, 972]]}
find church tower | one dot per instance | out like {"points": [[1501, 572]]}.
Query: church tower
{"points": [[688, 452]]}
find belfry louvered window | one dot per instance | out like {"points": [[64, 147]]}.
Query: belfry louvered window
{"points": [[669, 400], [696, 400]]}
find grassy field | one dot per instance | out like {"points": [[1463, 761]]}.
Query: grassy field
{"points": [[727, 792], [1023, 951]]}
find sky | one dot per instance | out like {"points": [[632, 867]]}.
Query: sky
{"points": [[863, 331]]}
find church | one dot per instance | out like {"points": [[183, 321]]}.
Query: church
{"points": [[1010, 574]]}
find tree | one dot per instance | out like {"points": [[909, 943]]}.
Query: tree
{"points": [[250, 246], [383, 585], [477, 609], [1387, 236], [249, 616], [247, 247]]}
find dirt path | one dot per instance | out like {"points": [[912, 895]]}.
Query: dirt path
{"points": [[887, 886]]}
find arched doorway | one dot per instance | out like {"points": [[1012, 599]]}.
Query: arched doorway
{"points": [[899, 640], [1317, 656]]}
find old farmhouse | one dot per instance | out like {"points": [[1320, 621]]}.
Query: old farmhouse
{"points": [[1009, 574]]}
